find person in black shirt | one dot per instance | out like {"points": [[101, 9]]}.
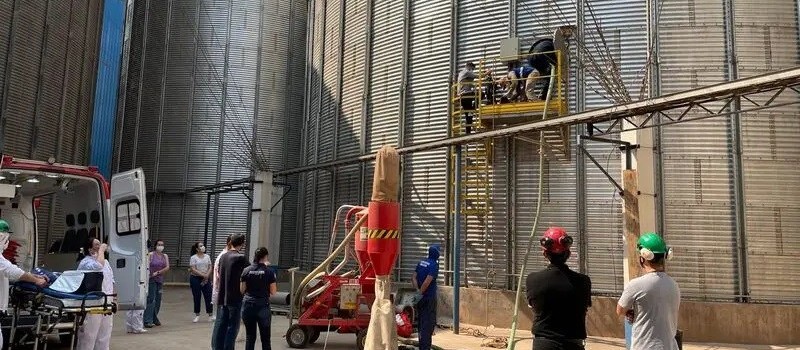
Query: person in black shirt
{"points": [[558, 296], [258, 283], [231, 266]]}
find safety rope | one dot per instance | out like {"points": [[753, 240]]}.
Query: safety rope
{"points": [[531, 238]]}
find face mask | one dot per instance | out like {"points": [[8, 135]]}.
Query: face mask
{"points": [[160, 248], [202, 249]]}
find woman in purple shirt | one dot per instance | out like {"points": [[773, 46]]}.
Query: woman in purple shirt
{"points": [[159, 264]]}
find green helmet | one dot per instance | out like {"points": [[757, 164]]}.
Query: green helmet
{"points": [[4, 226], [652, 242]]}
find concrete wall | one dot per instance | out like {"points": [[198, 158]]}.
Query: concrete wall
{"points": [[700, 321]]}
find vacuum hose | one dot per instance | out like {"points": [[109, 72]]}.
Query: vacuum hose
{"points": [[512, 341], [297, 301], [279, 298]]}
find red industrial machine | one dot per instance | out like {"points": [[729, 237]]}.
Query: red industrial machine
{"points": [[340, 300]]}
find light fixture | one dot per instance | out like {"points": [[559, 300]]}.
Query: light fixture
{"points": [[18, 185], [14, 172], [2, 177], [33, 180], [52, 176]]}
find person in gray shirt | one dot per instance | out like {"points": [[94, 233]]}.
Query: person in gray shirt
{"points": [[651, 302]]}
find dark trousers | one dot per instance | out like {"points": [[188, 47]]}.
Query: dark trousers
{"points": [[228, 327], [468, 104], [540, 343], [426, 308], [199, 289], [256, 314]]}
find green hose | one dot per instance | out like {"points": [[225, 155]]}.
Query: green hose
{"points": [[512, 340]]}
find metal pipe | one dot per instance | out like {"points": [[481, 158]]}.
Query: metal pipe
{"points": [[755, 84], [735, 130], [457, 240], [580, 161], [655, 90]]}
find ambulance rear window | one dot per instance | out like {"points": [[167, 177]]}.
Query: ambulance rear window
{"points": [[129, 220]]}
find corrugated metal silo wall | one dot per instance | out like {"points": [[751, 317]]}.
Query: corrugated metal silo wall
{"points": [[766, 40], [709, 271], [207, 79], [48, 62]]}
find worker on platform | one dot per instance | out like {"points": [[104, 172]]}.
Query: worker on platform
{"points": [[424, 282], [466, 92], [651, 302], [95, 333], [9, 271], [558, 296], [517, 79]]}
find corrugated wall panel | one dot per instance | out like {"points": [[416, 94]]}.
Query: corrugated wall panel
{"points": [[697, 173], [6, 17], [425, 173], [766, 40], [481, 26], [52, 84], [387, 43], [349, 128], [25, 59], [331, 106], [89, 69], [177, 109], [323, 218], [127, 139]]}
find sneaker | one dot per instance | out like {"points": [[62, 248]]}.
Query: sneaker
{"points": [[196, 318], [138, 331], [149, 325]]}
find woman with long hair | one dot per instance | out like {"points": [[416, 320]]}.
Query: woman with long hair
{"points": [[159, 265], [258, 283], [199, 279]]}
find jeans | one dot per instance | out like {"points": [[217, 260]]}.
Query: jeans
{"points": [[540, 343], [217, 322], [198, 288], [467, 108], [258, 314], [230, 317], [153, 303], [427, 321]]}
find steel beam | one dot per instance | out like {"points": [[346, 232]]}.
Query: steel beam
{"points": [[761, 83]]}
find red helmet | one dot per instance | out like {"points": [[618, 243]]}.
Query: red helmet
{"points": [[555, 240]]}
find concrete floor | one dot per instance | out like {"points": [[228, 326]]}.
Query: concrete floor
{"points": [[178, 332]]}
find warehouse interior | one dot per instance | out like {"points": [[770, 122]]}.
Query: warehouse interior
{"points": [[204, 96]]}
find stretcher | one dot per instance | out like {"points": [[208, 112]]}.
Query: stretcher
{"points": [[38, 314]]}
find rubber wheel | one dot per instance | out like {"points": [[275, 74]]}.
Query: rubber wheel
{"points": [[361, 338], [297, 337], [314, 336]]}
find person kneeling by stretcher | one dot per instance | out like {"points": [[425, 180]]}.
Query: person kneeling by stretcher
{"points": [[9, 271]]}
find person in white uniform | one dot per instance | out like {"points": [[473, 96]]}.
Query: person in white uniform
{"points": [[95, 334], [9, 271]]}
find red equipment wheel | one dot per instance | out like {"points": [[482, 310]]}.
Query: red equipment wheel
{"points": [[297, 337], [361, 338]]}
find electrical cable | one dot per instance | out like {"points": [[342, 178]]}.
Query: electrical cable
{"points": [[531, 238]]}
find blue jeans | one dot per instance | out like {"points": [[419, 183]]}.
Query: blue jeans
{"points": [[257, 314], [217, 322], [153, 303], [198, 289], [229, 320], [427, 321]]}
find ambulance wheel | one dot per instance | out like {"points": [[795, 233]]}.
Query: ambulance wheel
{"points": [[361, 338], [297, 337], [314, 336]]}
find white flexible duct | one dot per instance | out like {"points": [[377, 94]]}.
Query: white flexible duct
{"points": [[512, 341], [297, 300]]}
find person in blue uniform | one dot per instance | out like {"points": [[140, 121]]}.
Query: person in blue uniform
{"points": [[258, 284], [424, 281]]}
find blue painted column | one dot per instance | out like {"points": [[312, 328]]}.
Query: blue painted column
{"points": [[107, 85]]}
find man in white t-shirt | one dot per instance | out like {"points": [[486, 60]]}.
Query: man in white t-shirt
{"points": [[651, 302], [215, 291]]}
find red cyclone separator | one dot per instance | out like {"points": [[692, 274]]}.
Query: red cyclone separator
{"points": [[383, 251]]}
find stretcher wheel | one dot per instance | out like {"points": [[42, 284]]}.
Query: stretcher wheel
{"points": [[361, 338], [314, 335], [297, 336]]}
